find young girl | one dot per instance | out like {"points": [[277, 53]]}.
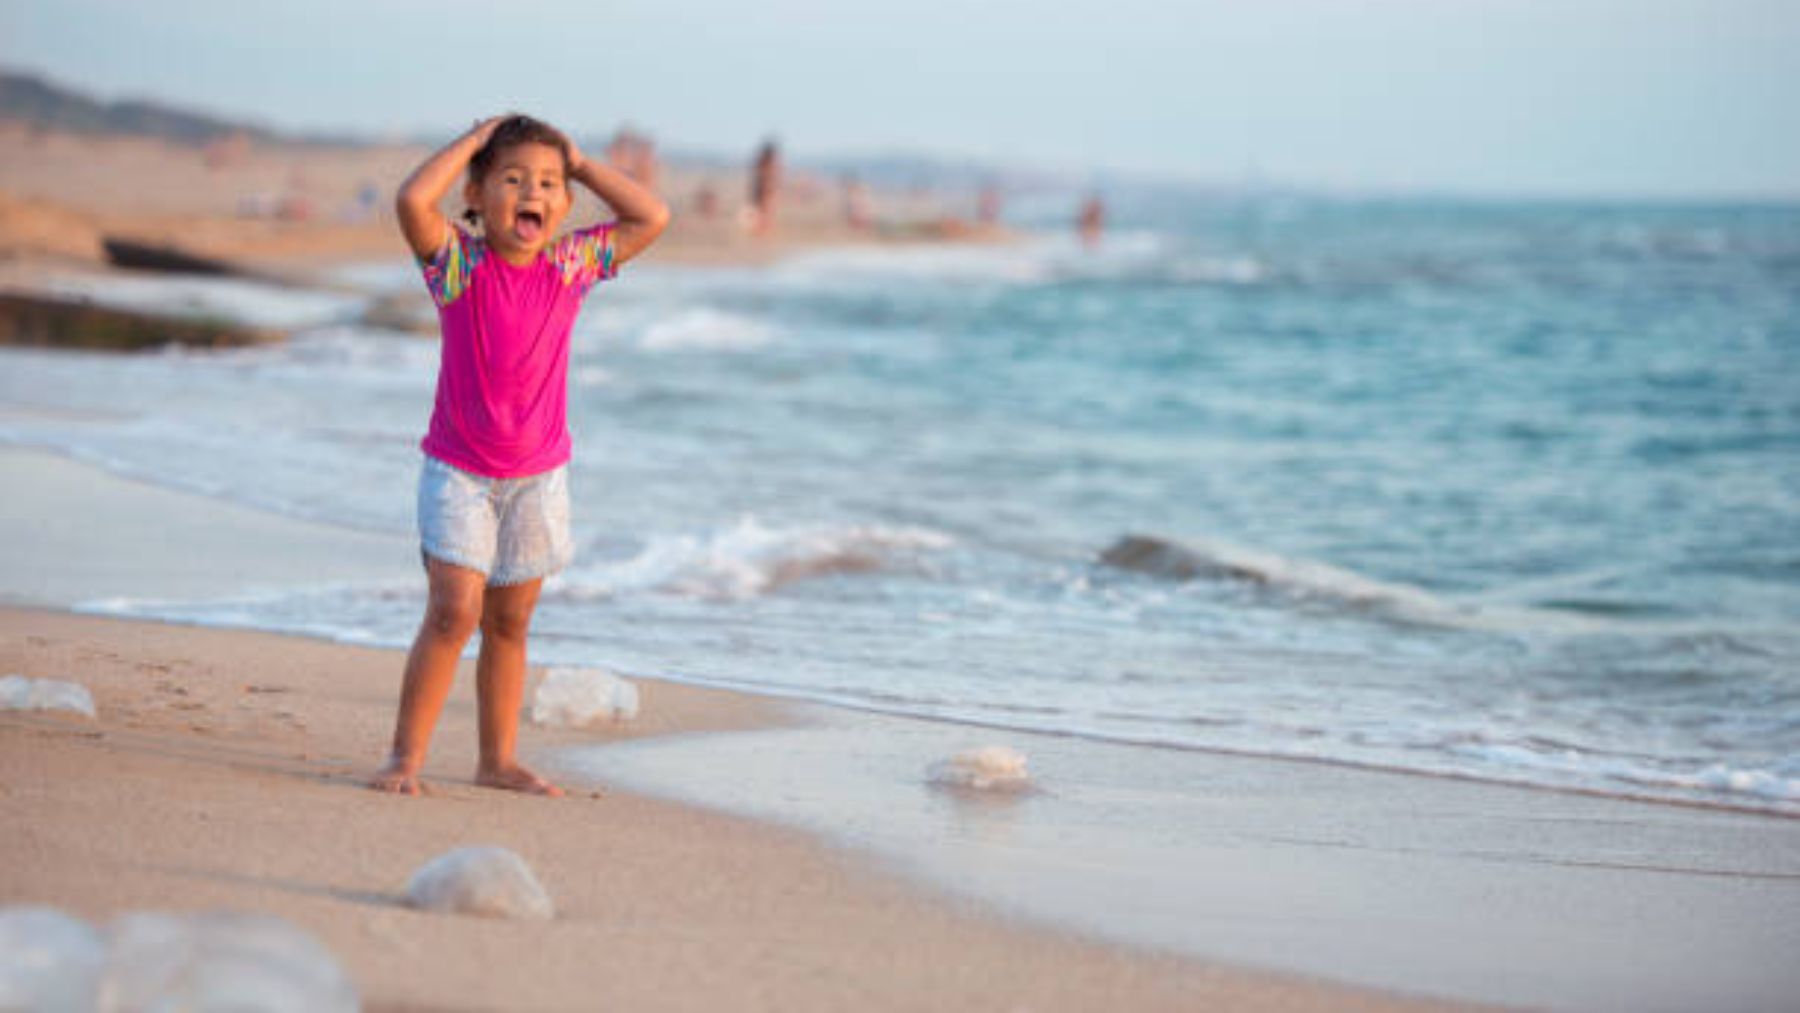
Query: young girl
{"points": [[493, 494]]}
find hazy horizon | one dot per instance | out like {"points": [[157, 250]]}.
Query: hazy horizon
{"points": [[1596, 98]]}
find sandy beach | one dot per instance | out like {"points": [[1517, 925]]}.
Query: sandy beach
{"points": [[57, 204], [293, 216]]}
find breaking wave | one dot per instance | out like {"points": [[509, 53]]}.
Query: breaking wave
{"points": [[1301, 579], [705, 330], [749, 559]]}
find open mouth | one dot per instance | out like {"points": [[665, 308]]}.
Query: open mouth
{"points": [[529, 225]]}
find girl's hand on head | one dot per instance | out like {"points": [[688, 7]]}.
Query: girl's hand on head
{"points": [[484, 129], [576, 158]]}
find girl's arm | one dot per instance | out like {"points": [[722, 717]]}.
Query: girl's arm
{"points": [[642, 215], [417, 202]]}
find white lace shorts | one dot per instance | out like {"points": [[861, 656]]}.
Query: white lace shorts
{"points": [[511, 530]]}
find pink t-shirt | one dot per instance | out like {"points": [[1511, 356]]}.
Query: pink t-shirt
{"points": [[503, 380]]}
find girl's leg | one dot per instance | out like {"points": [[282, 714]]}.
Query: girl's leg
{"points": [[451, 614], [500, 687]]}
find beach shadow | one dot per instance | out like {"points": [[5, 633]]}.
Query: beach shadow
{"points": [[202, 750], [369, 898]]}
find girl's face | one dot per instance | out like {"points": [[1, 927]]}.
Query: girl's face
{"points": [[522, 200]]}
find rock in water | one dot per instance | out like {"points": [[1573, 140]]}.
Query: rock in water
{"points": [[489, 881], [220, 961], [575, 697], [990, 768], [1176, 561], [72, 323], [48, 960], [410, 312], [19, 693]]}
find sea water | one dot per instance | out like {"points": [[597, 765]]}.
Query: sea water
{"points": [[1507, 491]]}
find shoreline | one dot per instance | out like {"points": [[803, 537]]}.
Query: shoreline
{"points": [[387, 557], [1150, 873], [396, 556]]}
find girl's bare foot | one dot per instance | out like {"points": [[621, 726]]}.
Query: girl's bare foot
{"points": [[514, 777], [398, 777]]}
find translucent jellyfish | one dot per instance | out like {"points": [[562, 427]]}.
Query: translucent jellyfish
{"points": [[49, 961], [483, 880], [990, 768], [575, 697], [19, 693], [220, 961]]}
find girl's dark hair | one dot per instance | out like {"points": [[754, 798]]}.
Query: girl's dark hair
{"points": [[514, 130]]}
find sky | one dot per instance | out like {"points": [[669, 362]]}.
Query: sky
{"points": [[1634, 98]]}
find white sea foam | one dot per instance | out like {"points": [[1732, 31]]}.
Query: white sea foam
{"points": [[1122, 255], [950, 263], [749, 559], [387, 275], [1763, 783], [577, 697], [351, 353], [483, 880], [704, 329], [1780, 784], [19, 693], [1225, 270], [1035, 259]]}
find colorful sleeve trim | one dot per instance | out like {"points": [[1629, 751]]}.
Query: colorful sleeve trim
{"points": [[585, 257], [447, 274]]}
